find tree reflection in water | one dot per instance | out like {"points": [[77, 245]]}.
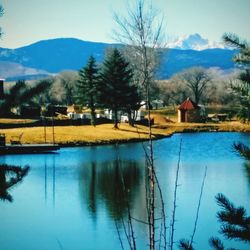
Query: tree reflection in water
{"points": [[114, 184], [9, 177]]}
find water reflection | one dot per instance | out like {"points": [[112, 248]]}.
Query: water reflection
{"points": [[116, 183], [50, 180], [86, 186], [9, 177]]}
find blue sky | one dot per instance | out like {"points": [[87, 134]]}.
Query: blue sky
{"points": [[28, 21]]}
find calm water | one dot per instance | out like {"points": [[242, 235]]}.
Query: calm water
{"points": [[72, 199]]}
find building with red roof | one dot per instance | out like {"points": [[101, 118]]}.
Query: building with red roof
{"points": [[189, 111]]}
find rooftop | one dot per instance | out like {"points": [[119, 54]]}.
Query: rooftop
{"points": [[188, 105]]}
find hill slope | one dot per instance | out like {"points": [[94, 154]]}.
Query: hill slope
{"points": [[53, 56]]}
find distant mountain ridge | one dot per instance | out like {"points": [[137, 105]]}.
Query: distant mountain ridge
{"points": [[56, 55], [195, 42]]}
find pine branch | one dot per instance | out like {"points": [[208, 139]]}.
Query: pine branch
{"points": [[28, 94], [230, 214], [216, 243], [242, 149], [223, 202], [185, 245], [233, 232], [235, 222], [233, 40]]}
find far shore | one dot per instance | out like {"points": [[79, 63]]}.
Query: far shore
{"points": [[106, 134]]}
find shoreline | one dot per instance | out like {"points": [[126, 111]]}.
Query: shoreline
{"points": [[85, 135]]}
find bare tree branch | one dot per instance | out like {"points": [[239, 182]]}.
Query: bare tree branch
{"points": [[198, 208], [171, 233]]}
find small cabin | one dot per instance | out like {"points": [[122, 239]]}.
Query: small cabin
{"points": [[189, 111]]}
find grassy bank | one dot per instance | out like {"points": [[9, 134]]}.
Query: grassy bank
{"points": [[103, 134], [68, 135]]}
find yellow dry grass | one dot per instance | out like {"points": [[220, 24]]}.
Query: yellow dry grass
{"points": [[105, 133], [234, 126], [16, 121], [80, 134]]}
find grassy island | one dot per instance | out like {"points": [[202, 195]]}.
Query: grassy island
{"points": [[106, 134]]}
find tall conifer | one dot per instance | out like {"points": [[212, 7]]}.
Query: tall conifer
{"points": [[88, 80], [116, 92]]}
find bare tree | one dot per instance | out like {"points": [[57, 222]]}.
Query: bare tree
{"points": [[63, 89], [218, 91], [196, 79], [142, 31], [173, 91]]}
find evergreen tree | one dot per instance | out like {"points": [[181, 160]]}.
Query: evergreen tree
{"points": [[235, 224], [116, 90], [9, 177], [242, 59], [132, 103], [242, 149], [20, 94], [88, 82]]}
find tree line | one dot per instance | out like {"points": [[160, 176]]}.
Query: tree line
{"points": [[204, 86], [108, 85]]}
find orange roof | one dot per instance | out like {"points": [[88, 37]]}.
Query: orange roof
{"points": [[188, 104]]}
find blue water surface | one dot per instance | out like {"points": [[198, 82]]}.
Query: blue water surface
{"points": [[75, 199]]}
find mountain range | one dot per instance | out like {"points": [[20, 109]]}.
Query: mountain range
{"points": [[195, 42], [50, 57]]}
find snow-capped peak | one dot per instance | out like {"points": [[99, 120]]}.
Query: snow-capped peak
{"points": [[194, 42]]}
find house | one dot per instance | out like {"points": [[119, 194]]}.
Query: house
{"points": [[189, 111], [86, 113], [123, 116], [109, 114], [75, 112], [137, 115]]}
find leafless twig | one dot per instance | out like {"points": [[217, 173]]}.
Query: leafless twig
{"points": [[198, 208], [171, 233]]}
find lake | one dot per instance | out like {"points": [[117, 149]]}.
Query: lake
{"points": [[74, 199]]}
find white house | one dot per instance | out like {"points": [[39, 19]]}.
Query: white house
{"points": [[122, 116], [74, 112]]}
